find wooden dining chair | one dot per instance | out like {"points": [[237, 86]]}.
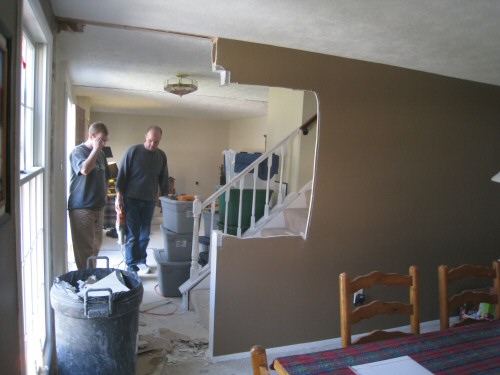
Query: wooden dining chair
{"points": [[259, 360], [349, 316], [451, 303]]}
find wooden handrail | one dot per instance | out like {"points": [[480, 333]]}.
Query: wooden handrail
{"points": [[304, 128]]}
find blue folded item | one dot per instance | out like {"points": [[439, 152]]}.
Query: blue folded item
{"points": [[244, 159], [262, 173]]}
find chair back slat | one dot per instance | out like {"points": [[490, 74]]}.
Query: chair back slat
{"points": [[380, 278], [449, 303], [380, 308], [349, 316]]}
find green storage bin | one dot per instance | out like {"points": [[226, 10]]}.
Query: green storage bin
{"points": [[232, 229], [246, 208]]}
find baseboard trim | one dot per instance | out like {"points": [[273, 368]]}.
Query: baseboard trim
{"points": [[329, 344]]}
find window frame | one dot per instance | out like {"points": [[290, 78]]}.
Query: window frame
{"points": [[35, 26]]}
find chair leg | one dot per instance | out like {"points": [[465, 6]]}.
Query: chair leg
{"points": [[259, 360]]}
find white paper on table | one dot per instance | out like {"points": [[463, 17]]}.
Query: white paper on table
{"points": [[394, 366]]}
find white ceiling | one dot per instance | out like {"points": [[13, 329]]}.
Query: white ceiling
{"points": [[127, 50]]}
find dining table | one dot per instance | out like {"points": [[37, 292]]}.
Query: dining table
{"points": [[471, 349]]}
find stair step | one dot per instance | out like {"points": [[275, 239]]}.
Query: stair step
{"points": [[296, 219], [274, 232]]}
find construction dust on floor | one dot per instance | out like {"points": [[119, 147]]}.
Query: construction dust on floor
{"points": [[173, 341], [168, 336], [170, 340]]}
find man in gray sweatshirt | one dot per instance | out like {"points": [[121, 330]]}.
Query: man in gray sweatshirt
{"points": [[142, 172]]}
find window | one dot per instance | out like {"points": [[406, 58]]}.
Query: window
{"points": [[32, 191], [27, 103]]}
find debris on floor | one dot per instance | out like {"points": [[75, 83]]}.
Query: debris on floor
{"points": [[149, 307], [151, 352], [141, 344], [171, 347], [149, 364], [148, 344], [185, 350], [164, 332]]}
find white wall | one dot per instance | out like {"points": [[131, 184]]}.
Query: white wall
{"points": [[248, 134], [308, 142], [193, 147], [285, 113]]}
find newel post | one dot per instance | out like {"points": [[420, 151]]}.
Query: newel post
{"points": [[194, 272]]}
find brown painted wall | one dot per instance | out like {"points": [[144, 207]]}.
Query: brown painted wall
{"points": [[403, 177], [10, 354]]}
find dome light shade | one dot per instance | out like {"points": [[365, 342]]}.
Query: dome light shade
{"points": [[181, 85]]}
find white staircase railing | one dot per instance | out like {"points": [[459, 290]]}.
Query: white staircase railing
{"points": [[238, 182]]}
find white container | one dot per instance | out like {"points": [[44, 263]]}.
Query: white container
{"points": [[177, 215]]}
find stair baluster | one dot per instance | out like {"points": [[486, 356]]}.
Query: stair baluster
{"points": [[195, 251], [240, 205], [226, 215], [252, 221], [280, 193]]}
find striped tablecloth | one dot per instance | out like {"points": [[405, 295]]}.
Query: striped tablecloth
{"points": [[473, 349]]}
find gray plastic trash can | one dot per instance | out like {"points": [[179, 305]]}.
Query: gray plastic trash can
{"points": [[96, 335]]}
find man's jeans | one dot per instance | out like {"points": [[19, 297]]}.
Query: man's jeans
{"points": [[138, 215]]}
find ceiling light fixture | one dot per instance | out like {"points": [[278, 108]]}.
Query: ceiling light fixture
{"points": [[181, 85]]}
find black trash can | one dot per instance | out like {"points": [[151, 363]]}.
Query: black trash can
{"points": [[96, 335]]}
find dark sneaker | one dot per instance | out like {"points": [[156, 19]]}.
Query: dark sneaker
{"points": [[132, 269], [112, 233]]}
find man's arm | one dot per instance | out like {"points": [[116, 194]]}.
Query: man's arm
{"points": [[163, 178], [89, 164], [121, 181]]}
